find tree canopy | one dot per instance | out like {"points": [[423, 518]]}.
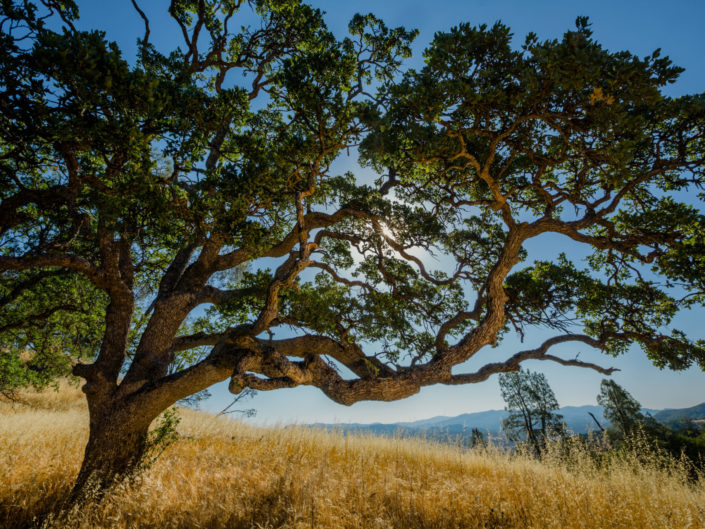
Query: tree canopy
{"points": [[172, 215]]}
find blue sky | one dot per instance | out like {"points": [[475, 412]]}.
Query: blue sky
{"points": [[638, 26]]}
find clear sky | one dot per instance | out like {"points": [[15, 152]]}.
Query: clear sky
{"points": [[639, 26]]}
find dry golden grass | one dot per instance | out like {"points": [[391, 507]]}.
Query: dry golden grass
{"points": [[224, 474], [67, 395]]}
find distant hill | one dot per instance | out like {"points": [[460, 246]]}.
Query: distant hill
{"points": [[669, 415], [577, 419]]}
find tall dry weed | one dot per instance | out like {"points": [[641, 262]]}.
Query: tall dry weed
{"points": [[225, 474]]}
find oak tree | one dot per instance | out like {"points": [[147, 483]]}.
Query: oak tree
{"points": [[187, 199]]}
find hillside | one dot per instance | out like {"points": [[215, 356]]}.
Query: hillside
{"points": [[489, 422], [224, 474], [696, 413]]}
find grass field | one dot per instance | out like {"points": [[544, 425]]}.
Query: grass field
{"points": [[224, 474]]}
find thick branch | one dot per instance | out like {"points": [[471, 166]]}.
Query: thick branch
{"points": [[407, 382], [216, 296], [72, 262], [350, 356]]}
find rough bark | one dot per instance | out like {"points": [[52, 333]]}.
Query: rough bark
{"points": [[115, 448]]}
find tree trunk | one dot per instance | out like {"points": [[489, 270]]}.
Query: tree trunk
{"points": [[115, 448]]}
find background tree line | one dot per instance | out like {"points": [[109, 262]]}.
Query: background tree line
{"points": [[534, 421]]}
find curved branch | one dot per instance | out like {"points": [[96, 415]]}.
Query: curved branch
{"points": [[145, 39], [216, 296], [199, 339], [312, 221], [404, 383], [539, 353], [458, 319], [72, 262], [351, 356], [338, 278]]}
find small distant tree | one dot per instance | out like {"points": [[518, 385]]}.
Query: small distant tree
{"points": [[531, 404], [621, 409], [628, 423], [477, 439]]}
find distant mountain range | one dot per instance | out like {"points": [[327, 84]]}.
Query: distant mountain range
{"points": [[696, 413], [577, 419]]}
